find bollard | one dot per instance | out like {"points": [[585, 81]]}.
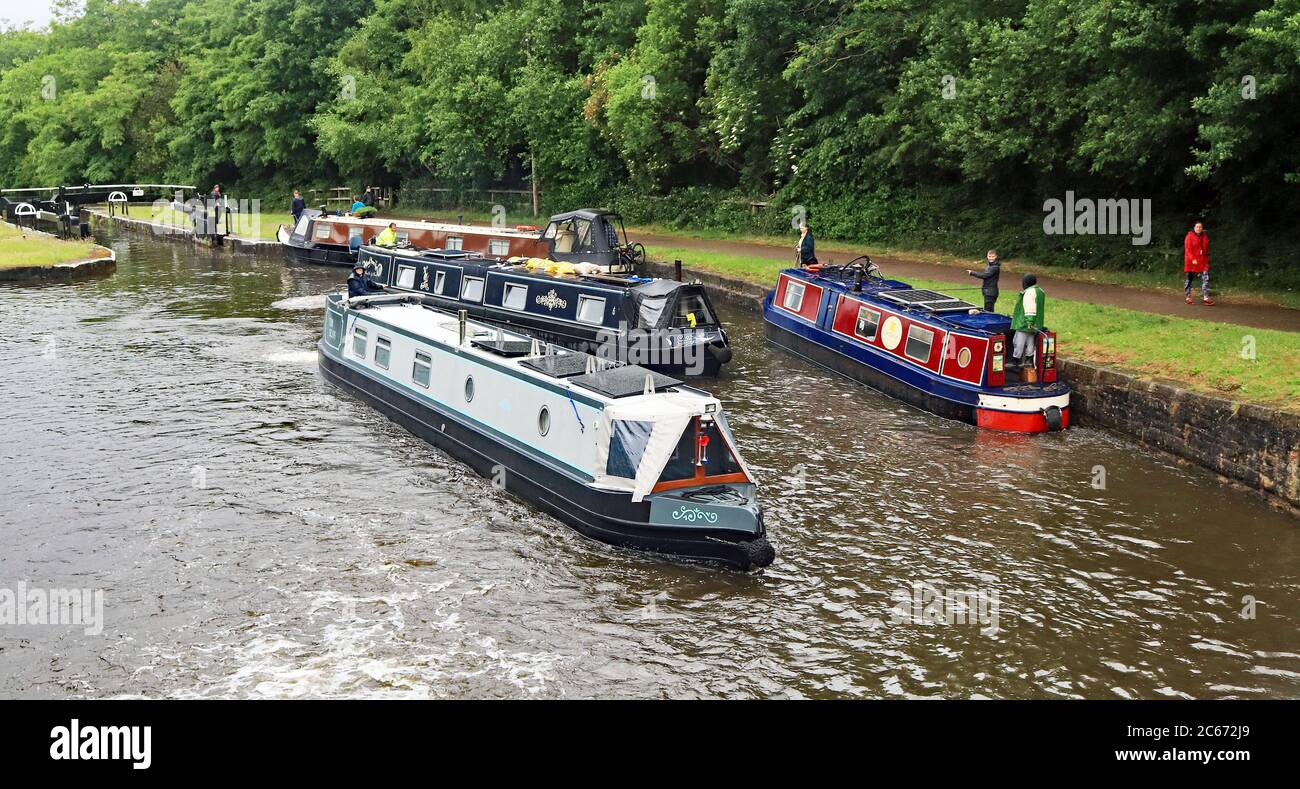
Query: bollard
{"points": [[677, 270]]}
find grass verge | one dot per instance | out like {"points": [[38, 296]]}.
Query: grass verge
{"points": [[19, 248], [1146, 280]]}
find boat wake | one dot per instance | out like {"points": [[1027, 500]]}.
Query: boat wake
{"points": [[301, 303], [291, 357]]}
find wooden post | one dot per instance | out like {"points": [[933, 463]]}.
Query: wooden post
{"points": [[533, 180]]}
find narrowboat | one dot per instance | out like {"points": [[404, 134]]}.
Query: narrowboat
{"points": [[928, 349], [622, 454], [668, 326], [589, 235]]}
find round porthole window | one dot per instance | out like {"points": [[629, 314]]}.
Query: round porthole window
{"points": [[963, 357], [469, 388], [544, 420]]}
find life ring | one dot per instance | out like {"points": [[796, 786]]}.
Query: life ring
{"points": [[814, 268]]}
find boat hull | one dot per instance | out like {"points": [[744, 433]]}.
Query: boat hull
{"points": [[1029, 419], [607, 516]]}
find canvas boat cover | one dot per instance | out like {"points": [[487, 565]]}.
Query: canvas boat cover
{"points": [[651, 299], [639, 434]]}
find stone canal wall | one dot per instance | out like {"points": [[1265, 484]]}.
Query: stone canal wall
{"points": [[1251, 445], [181, 235]]}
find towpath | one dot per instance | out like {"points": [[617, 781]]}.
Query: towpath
{"points": [[1164, 302]]}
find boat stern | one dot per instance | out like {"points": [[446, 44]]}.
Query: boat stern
{"points": [[1038, 411], [727, 518]]}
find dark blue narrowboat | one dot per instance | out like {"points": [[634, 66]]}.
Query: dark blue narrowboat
{"points": [[934, 351], [668, 326]]}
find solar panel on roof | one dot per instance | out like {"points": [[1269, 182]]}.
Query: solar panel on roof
{"points": [[927, 300], [505, 347], [560, 365], [623, 381]]}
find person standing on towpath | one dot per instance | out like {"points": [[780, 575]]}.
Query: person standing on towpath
{"points": [[805, 247], [1196, 260], [992, 270]]}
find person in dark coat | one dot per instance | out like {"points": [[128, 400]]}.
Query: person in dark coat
{"points": [[297, 206], [992, 270], [360, 284], [215, 198], [369, 197], [806, 246]]}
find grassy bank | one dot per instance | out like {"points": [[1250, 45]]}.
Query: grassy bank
{"points": [[19, 249], [1254, 365], [832, 249]]}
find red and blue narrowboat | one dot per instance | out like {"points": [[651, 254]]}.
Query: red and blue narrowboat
{"points": [[931, 350]]}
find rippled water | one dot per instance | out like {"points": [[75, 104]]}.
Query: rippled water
{"points": [[259, 533]]}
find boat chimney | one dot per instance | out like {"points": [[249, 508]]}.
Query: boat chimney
{"points": [[649, 384], [677, 270], [464, 318]]}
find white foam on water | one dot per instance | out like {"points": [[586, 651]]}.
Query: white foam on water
{"points": [[291, 357], [301, 303]]}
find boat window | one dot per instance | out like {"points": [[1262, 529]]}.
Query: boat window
{"points": [[793, 300], [301, 229], [406, 276], [359, 341], [544, 420], [566, 237], [383, 351], [919, 340], [439, 281], [583, 240], [454, 242], [868, 323], [516, 296], [355, 232], [627, 442], [322, 231], [469, 388], [591, 309], [498, 246], [333, 329], [692, 310], [422, 368], [472, 289], [550, 230], [700, 452]]}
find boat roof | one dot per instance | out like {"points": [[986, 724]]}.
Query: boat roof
{"points": [[584, 376], [930, 304], [442, 227], [640, 286]]}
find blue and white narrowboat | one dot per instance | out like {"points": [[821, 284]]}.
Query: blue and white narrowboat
{"points": [[669, 326], [622, 454], [934, 351]]}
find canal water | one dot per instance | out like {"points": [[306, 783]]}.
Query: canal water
{"points": [[258, 533]]}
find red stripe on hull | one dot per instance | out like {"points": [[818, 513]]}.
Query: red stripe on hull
{"points": [[1016, 422]]}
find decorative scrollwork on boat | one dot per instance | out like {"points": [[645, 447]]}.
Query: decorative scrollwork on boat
{"points": [[694, 514], [552, 301]]}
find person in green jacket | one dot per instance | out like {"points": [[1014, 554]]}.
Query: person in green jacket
{"points": [[388, 236], [1026, 322]]}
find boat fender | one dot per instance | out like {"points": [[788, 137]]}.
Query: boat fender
{"points": [[1053, 416], [760, 553], [721, 352]]}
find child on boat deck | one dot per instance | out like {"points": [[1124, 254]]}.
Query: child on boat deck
{"points": [[1026, 323]]}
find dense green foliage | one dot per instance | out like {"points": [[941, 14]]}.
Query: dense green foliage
{"points": [[937, 122]]}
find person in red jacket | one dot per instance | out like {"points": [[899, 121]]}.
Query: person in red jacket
{"points": [[1196, 260]]}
